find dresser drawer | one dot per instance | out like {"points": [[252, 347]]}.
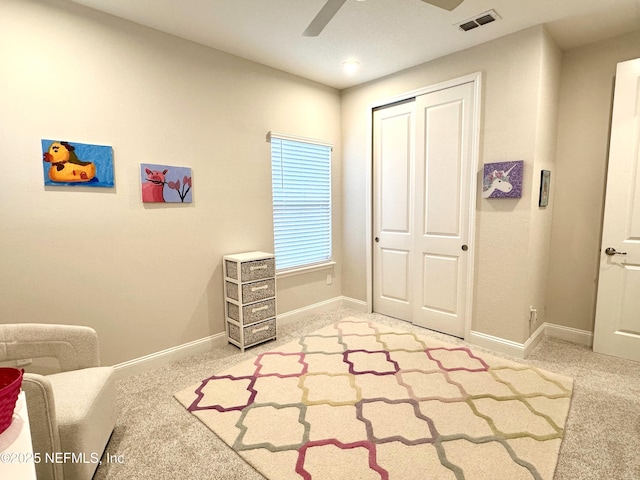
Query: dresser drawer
{"points": [[251, 292], [252, 313], [250, 271], [253, 333]]}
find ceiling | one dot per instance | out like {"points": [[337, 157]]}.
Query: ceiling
{"points": [[384, 36]]}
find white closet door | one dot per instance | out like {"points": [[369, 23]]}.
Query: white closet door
{"points": [[423, 181], [441, 238], [393, 204]]}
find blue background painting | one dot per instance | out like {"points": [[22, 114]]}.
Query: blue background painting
{"points": [[100, 155]]}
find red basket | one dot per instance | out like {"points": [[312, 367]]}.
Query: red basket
{"points": [[10, 382]]}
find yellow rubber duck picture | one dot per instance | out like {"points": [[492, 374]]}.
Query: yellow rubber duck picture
{"points": [[67, 163]]}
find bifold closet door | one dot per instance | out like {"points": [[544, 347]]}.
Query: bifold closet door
{"points": [[393, 206], [423, 174]]}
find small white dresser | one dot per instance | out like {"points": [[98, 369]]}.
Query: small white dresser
{"points": [[250, 298]]}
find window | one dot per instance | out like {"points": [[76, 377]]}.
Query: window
{"points": [[301, 186]]}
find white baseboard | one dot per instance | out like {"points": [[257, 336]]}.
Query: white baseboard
{"points": [[521, 350], [360, 305], [158, 359], [203, 345], [573, 335], [497, 344], [325, 306], [533, 340]]}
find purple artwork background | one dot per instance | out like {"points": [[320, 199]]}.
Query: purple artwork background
{"points": [[515, 178]]}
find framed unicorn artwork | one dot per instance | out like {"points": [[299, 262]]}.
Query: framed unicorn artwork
{"points": [[503, 179], [165, 184], [67, 163]]}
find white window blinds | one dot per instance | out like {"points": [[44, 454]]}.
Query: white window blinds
{"points": [[301, 185]]}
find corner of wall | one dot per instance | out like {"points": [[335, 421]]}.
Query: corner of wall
{"points": [[541, 217], [578, 182]]}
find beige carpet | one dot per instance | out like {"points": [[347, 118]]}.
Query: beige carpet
{"points": [[360, 400]]}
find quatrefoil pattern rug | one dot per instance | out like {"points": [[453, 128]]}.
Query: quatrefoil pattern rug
{"points": [[360, 400]]}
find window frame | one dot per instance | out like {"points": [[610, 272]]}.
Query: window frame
{"points": [[325, 262]]}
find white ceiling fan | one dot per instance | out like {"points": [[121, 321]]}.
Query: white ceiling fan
{"points": [[330, 8]]}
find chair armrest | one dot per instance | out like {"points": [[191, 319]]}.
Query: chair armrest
{"points": [[45, 437], [74, 346]]}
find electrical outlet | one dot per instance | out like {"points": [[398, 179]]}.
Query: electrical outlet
{"points": [[533, 317], [24, 362], [329, 279]]}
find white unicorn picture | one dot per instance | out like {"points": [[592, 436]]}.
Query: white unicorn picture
{"points": [[502, 180]]}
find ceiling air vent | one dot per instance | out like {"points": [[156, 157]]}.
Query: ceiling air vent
{"points": [[478, 20]]}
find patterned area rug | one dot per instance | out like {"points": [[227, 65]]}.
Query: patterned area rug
{"points": [[360, 400]]}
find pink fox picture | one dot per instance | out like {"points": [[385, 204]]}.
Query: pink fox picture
{"points": [[165, 184]]}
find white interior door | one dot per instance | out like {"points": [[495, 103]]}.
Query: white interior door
{"points": [[443, 173], [424, 178], [393, 200], [617, 327]]}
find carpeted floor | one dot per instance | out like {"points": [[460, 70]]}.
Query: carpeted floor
{"points": [[157, 439], [358, 399]]}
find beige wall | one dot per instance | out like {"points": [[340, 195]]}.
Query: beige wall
{"points": [[147, 277], [518, 77], [550, 108], [544, 159], [578, 187]]}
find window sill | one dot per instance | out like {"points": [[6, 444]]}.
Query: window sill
{"points": [[307, 269]]}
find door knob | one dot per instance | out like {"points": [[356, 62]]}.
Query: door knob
{"points": [[465, 248], [377, 239], [612, 251]]}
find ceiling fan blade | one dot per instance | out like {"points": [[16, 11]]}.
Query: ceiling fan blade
{"points": [[323, 17], [446, 4]]}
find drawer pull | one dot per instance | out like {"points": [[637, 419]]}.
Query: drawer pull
{"points": [[259, 267], [261, 329], [259, 309], [263, 287]]}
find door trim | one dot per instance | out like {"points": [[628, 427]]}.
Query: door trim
{"points": [[476, 79]]}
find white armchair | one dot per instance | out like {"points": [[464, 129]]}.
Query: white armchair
{"points": [[73, 411]]}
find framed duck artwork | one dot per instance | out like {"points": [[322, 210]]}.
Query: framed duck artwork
{"points": [[67, 163]]}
